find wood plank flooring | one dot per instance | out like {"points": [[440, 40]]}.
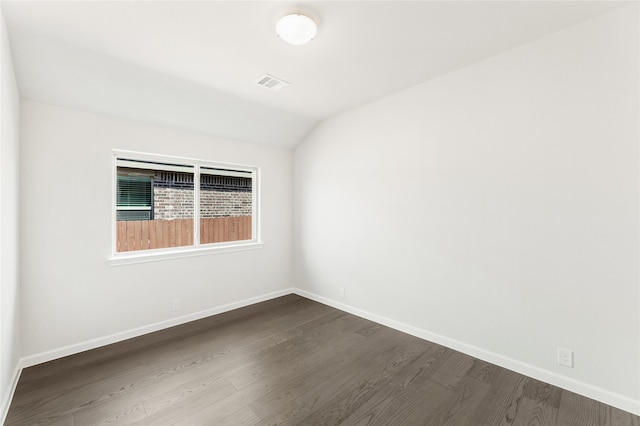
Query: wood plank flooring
{"points": [[290, 361]]}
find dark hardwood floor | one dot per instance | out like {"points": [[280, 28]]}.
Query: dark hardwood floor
{"points": [[290, 361]]}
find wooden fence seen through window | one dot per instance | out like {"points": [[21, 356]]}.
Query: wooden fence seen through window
{"points": [[134, 235]]}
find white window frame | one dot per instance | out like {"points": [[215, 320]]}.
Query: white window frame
{"points": [[197, 249]]}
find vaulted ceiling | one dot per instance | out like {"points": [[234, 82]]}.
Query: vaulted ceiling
{"points": [[194, 65]]}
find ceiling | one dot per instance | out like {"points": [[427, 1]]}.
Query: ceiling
{"points": [[194, 65]]}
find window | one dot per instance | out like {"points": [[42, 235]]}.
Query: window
{"points": [[134, 197], [225, 205], [172, 205]]}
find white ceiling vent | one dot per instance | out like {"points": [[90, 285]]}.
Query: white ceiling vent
{"points": [[272, 83]]}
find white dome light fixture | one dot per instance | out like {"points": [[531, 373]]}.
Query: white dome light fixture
{"points": [[296, 29]]}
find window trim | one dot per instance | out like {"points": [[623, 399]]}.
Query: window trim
{"points": [[197, 249]]}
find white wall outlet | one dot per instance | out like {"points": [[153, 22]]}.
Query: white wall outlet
{"points": [[565, 357], [342, 292], [175, 305]]}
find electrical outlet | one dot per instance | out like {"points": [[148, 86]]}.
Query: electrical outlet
{"points": [[342, 292], [565, 357], [175, 305]]}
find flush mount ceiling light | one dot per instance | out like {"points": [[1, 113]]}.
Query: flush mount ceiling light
{"points": [[296, 29]]}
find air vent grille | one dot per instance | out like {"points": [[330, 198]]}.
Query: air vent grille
{"points": [[272, 83]]}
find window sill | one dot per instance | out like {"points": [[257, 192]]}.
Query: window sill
{"points": [[144, 256]]}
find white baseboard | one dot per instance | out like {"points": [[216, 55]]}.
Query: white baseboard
{"points": [[118, 337], [611, 398], [6, 401]]}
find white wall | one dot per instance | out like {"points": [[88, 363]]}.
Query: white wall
{"points": [[494, 209], [70, 295], [9, 239]]}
